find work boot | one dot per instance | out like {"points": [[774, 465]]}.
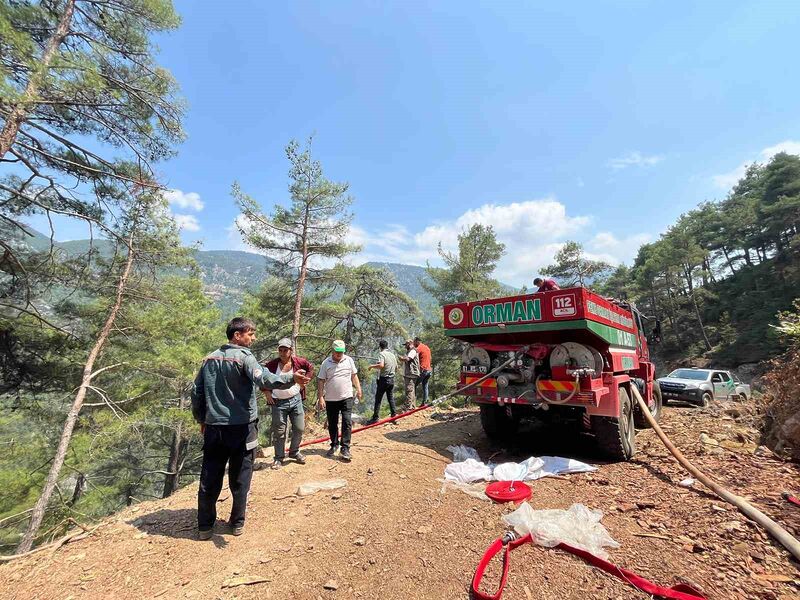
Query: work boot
{"points": [[205, 534], [277, 463], [298, 458], [345, 455], [330, 453], [372, 421], [237, 530]]}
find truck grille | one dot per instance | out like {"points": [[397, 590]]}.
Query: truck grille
{"points": [[672, 386]]}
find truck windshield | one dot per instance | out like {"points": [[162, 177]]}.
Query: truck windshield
{"points": [[689, 374]]}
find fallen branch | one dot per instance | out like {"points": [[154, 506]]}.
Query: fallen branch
{"points": [[775, 530], [73, 536]]}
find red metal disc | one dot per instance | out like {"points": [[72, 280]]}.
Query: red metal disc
{"points": [[502, 491]]}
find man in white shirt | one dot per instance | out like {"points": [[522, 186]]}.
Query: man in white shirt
{"points": [[337, 378]]}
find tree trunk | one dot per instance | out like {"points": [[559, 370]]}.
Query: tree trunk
{"points": [[671, 317], [19, 113], [700, 321], [728, 260], [747, 258], [37, 516], [177, 449], [301, 281], [77, 492]]}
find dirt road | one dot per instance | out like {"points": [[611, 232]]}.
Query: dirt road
{"points": [[391, 533]]}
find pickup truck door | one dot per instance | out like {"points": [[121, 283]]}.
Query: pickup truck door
{"points": [[723, 385]]}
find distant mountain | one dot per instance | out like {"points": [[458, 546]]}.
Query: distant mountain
{"points": [[228, 274]]}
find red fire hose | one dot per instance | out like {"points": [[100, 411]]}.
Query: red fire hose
{"points": [[508, 542]]}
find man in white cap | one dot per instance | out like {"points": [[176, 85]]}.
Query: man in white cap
{"points": [[287, 405], [337, 378]]}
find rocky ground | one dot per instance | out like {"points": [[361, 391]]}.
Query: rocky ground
{"points": [[392, 533]]}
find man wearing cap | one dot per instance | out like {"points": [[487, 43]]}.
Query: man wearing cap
{"points": [[287, 405], [337, 378], [410, 373], [224, 403]]}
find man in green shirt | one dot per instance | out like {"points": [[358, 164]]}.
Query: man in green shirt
{"points": [[386, 365], [224, 402]]}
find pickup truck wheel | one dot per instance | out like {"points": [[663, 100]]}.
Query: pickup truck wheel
{"points": [[655, 410], [496, 423], [616, 435], [705, 399]]}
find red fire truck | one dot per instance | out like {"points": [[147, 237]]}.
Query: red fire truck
{"points": [[566, 351]]}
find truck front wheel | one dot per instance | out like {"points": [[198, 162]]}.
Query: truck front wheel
{"points": [[616, 435], [496, 422]]}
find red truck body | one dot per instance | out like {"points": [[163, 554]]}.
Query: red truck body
{"points": [[583, 353]]}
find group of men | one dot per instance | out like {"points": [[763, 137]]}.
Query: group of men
{"points": [[224, 403]]}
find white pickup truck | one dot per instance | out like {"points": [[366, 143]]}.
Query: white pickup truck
{"points": [[700, 386]]}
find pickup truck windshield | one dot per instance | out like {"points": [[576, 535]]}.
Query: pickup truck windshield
{"points": [[689, 374]]}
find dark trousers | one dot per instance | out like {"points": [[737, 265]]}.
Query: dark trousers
{"points": [[226, 444], [424, 377], [334, 409], [385, 385]]}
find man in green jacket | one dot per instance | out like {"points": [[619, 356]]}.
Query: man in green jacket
{"points": [[224, 402]]}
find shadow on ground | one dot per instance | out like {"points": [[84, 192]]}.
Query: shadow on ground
{"points": [[534, 438], [179, 524]]}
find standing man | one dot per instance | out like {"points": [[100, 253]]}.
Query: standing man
{"points": [[224, 403], [287, 405], [545, 285], [410, 373], [337, 378], [386, 365], [425, 368]]}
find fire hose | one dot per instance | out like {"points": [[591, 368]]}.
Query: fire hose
{"points": [[438, 400], [775, 530], [510, 541]]}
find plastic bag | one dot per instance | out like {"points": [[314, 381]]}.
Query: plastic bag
{"points": [[462, 453], [312, 487], [468, 471], [577, 526], [517, 471], [476, 490]]}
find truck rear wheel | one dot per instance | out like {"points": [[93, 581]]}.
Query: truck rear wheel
{"points": [[496, 422], [616, 435], [655, 410]]}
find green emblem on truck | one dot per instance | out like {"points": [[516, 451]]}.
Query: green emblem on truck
{"points": [[517, 311]]}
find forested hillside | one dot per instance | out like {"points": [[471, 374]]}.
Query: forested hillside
{"points": [[719, 276]]}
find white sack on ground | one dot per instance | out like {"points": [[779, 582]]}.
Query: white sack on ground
{"points": [[471, 469], [577, 526], [558, 465], [462, 453], [468, 471]]}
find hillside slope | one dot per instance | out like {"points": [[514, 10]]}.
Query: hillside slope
{"points": [[391, 533]]}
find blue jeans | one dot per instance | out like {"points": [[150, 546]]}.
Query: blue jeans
{"points": [[424, 376], [290, 409]]}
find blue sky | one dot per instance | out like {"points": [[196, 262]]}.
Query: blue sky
{"points": [[595, 121]]}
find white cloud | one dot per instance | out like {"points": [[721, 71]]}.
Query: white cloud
{"points": [[606, 246], [727, 180], [185, 200], [186, 222], [532, 231], [634, 159]]}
